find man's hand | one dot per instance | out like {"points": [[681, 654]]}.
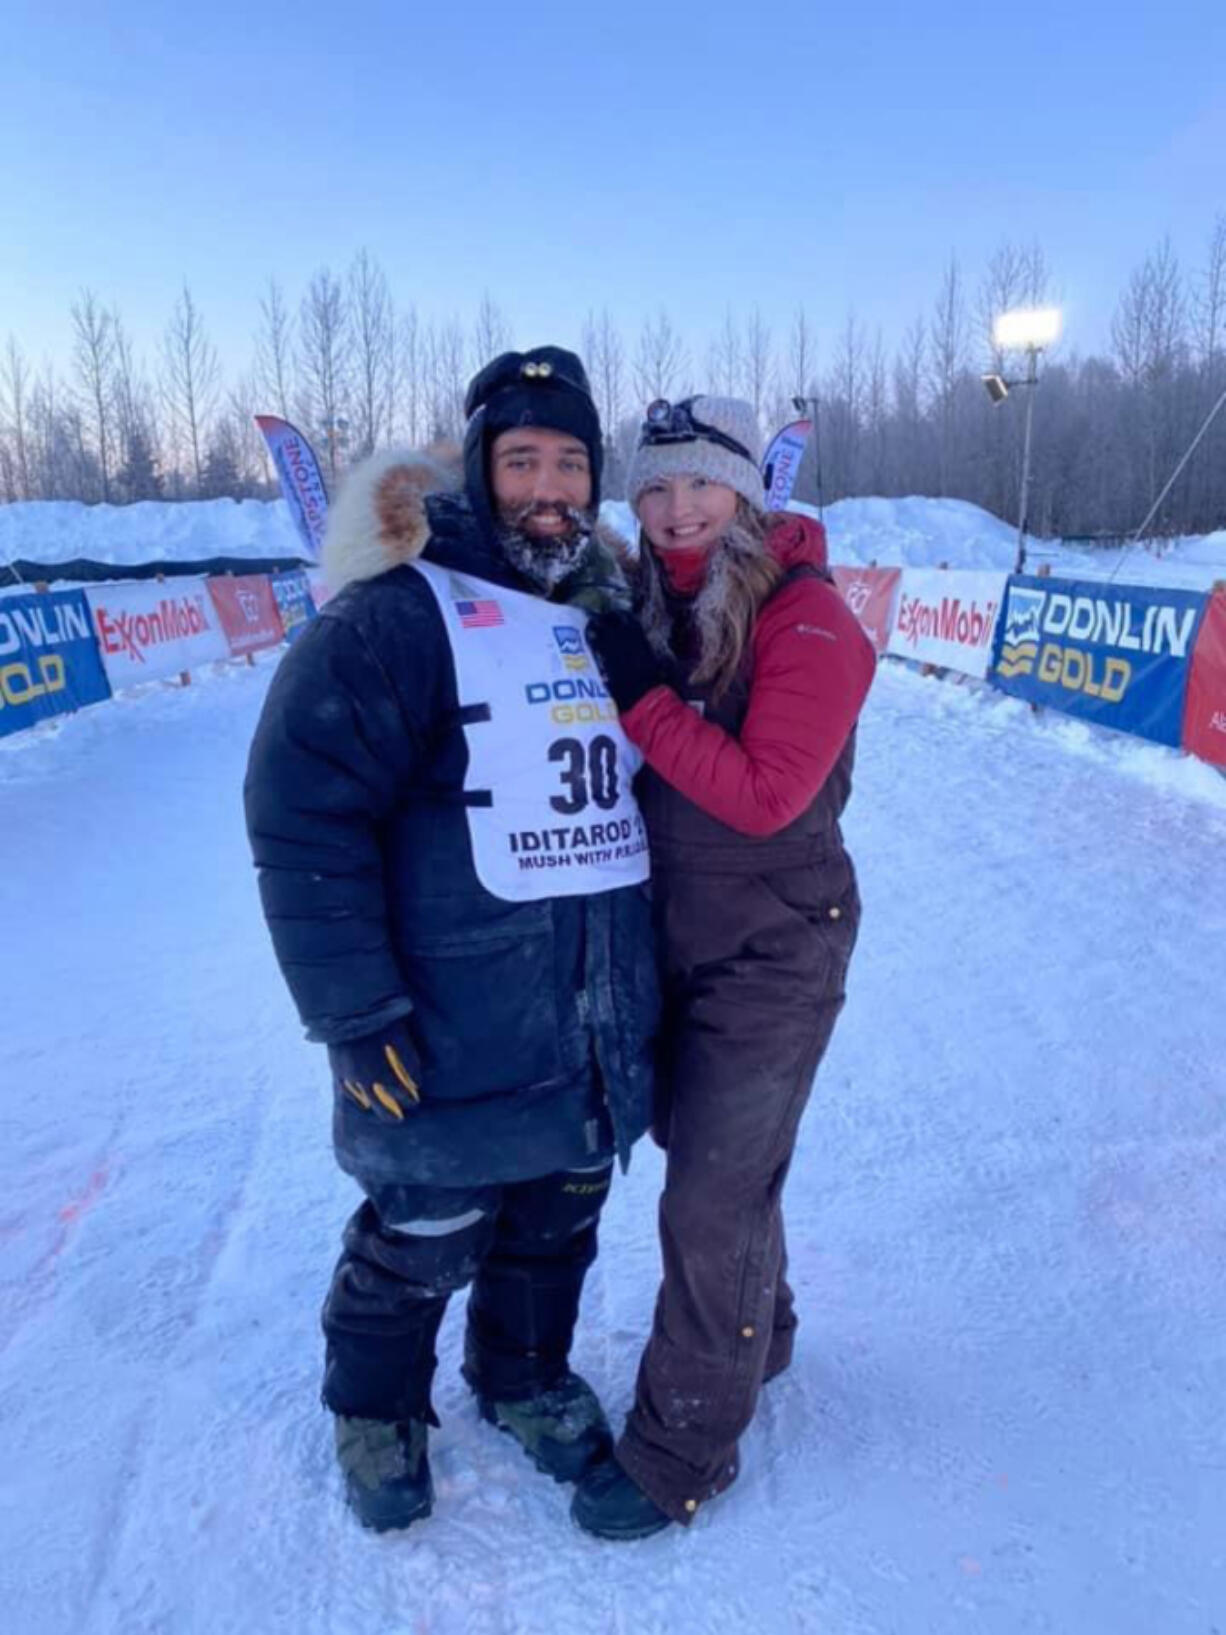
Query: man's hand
{"points": [[627, 659], [381, 1072]]}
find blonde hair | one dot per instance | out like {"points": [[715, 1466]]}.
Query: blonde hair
{"points": [[741, 575]]}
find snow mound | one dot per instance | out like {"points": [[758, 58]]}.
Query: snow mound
{"points": [[917, 533], [913, 532], [1192, 562], [149, 531], [909, 532]]}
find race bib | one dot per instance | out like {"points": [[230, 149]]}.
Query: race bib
{"points": [[551, 811]]}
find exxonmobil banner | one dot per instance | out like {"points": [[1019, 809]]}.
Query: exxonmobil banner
{"points": [[48, 658], [948, 618], [148, 629], [1204, 721], [781, 462], [1115, 654], [301, 482], [248, 612], [869, 593]]}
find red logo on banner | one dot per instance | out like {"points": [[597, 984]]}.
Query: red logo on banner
{"points": [[176, 618], [1204, 715], [869, 593], [248, 612]]}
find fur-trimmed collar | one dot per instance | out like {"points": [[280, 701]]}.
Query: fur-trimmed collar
{"points": [[380, 520]]}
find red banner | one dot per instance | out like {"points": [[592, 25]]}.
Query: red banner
{"points": [[1204, 715], [870, 594], [248, 612]]}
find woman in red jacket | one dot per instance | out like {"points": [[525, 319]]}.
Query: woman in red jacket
{"points": [[740, 678]]}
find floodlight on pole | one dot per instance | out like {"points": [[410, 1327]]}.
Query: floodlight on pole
{"points": [[1027, 329], [1030, 330]]}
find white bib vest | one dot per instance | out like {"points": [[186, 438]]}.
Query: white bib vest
{"points": [[549, 802]]}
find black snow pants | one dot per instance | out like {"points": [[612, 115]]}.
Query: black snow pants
{"points": [[754, 980], [524, 1246]]}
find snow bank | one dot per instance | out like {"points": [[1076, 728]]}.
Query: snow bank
{"points": [[910, 532], [151, 530], [917, 532], [1194, 561]]}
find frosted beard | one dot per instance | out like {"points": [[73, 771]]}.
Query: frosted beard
{"points": [[546, 560]]}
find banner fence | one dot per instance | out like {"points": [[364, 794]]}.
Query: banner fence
{"points": [[1140, 659]]}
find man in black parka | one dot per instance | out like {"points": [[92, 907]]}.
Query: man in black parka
{"points": [[453, 867]]}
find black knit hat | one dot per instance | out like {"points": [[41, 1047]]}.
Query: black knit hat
{"points": [[546, 387]]}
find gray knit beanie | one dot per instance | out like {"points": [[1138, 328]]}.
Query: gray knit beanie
{"points": [[677, 455]]}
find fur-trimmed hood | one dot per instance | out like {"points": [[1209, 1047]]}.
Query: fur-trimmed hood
{"points": [[378, 519], [390, 506]]}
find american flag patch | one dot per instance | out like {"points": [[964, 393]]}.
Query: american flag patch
{"points": [[479, 615]]}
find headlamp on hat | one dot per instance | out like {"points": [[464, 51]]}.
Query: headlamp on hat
{"points": [[666, 422]]}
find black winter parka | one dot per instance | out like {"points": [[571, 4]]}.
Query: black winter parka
{"points": [[534, 1021]]}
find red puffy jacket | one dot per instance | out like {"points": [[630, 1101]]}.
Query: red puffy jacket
{"points": [[812, 668]]}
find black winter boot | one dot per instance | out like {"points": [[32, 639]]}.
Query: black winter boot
{"points": [[563, 1430], [387, 1472], [611, 1505]]}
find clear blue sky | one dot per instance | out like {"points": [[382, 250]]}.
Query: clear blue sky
{"points": [[565, 157]]}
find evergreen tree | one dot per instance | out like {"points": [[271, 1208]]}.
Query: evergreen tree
{"points": [[139, 478], [220, 478]]}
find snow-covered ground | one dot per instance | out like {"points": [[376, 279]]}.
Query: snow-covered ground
{"points": [[1007, 1219], [914, 532]]}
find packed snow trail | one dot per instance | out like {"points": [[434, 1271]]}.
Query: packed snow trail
{"points": [[1007, 1224]]}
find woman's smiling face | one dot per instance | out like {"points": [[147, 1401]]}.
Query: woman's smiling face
{"points": [[685, 512]]}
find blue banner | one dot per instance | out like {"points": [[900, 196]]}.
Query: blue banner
{"points": [[301, 482], [297, 606], [49, 659], [1114, 654], [781, 463]]}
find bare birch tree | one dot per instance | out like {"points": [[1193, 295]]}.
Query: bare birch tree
{"points": [[93, 359], [324, 359], [843, 410], [801, 363], [14, 416], [373, 324], [190, 378], [491, 333], [1209, 304], [274, 353], [910, 369], [757, 362], [947, 359], [724, 362], [408, 396], [605, 359], [661, 361]]}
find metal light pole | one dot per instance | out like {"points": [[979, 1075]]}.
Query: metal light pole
{"points": [[1023, 510], [1029, 330], [812, 407]]}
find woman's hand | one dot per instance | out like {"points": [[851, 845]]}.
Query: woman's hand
{"points": [[627, 659]]}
